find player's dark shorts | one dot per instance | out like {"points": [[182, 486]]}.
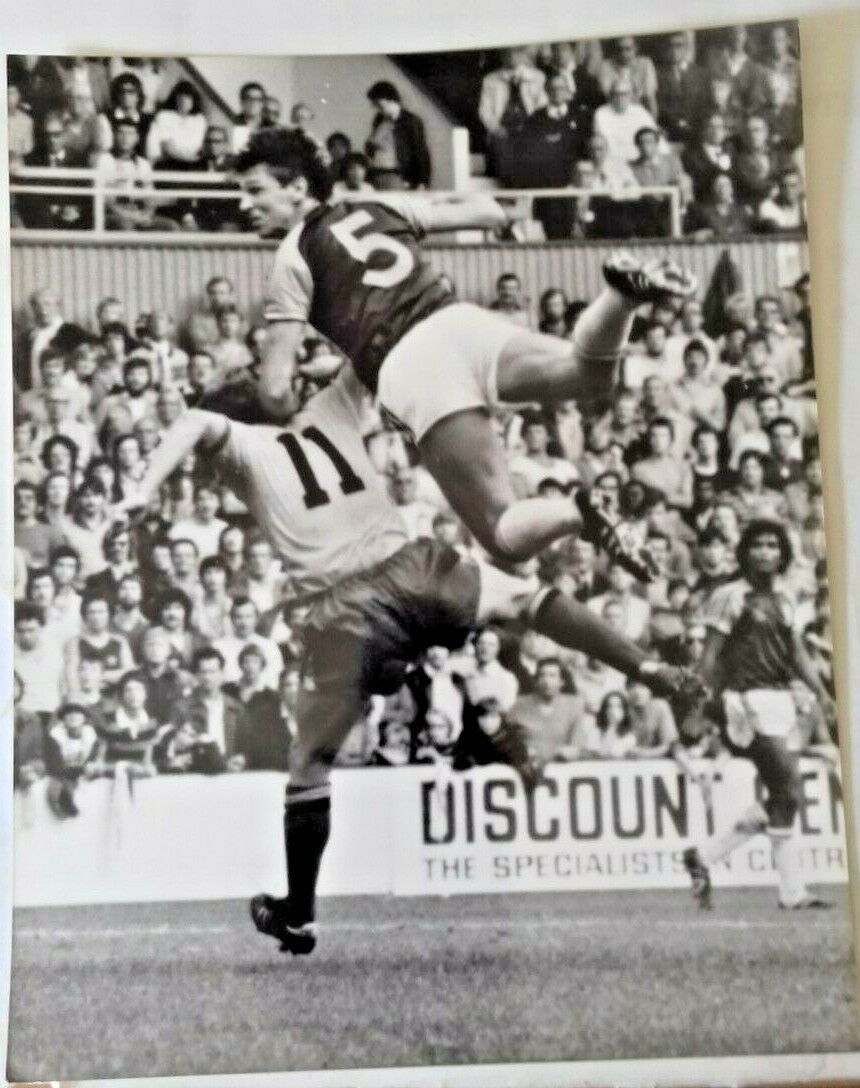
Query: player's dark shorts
{"points": [[366, 631]]}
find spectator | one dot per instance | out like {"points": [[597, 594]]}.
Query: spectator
{"points": [[578, 65], [35, 539], [692, 320], [611, 172], [229, 350], [338, 145], [178, 129], [657, 165], [781, 67], [65, 570], [682, 87], [185, 559], [19, 125], [127, 171], [128, 103], [28, 742], [97, 642], [71, 754], [756, 166], [554, 313], [87, 133], [128, 619], [706, 462], [56, 489], [624, 62], [173, 614], [718, 216], [621, 119], [26, 450], [490, 679], [212, 213], [750, 497], [707, 158], [783, 348], [437, 694], [252, 98], [271, 115], [731, 61], [262, 579], [217, 716], [202, 329], [397, 147], [166, 685], [635, 611], [552, 141], [510, 94], [652, 722], [49, 330], [169, 362], [211, 615], [509, 299], [266, 742], [129, 734], [660, 468], [782, 466], [231, 550], [695, 396], [117, 554], [37, 662], [65, 211], [244, 618], [88, 526], [416, 513], [787, 210], [204, 527], [354, 171], [536, 464], [588, 581]]}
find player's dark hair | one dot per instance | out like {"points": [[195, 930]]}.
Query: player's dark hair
{"points": [[763, 527], [289, 154]]}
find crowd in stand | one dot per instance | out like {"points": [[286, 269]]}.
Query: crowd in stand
{"points": [[713, 116], [175, 646]]}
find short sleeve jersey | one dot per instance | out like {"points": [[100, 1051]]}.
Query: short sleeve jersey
{"points": [[759, 626], [313, 490], [355, 272]]}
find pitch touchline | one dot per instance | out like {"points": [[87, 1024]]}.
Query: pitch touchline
{"points": [[362, 927]]}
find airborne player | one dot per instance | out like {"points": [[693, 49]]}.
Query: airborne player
{"points": [[375, 600], [355, 272]]}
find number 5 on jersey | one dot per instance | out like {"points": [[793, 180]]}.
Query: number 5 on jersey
{"points": [[363, 248], [314, 493]]}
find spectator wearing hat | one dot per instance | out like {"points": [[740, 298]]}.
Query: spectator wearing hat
{"points": [[397, 147]]}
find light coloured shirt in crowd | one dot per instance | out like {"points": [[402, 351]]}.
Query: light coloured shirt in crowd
{"points": [[231, 646], [230, 355], [383, 154], [654, 726], [594, 683], [496, 93], [74, 751], [783, 216], [669, 475], [214, 707], [151, 75], [41, 673], [492, 681], [212, 618], [418, 518], [205, 535], [265, 592], [532, 471], [615, 175], [127, 176], [636, 612], [39, 340], [552, 726], [20, 133], [676, 345], [641, 73], [88, 543], [169, 363], [174, 135], [619, 128], [638, 366], [700, 400], [352, 524]]}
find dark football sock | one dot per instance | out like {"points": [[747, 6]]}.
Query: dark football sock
{"points": [[575, 626], [307, 819]]}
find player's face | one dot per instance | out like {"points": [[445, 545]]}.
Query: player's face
{"points": [[270, 206], [765, 554]]}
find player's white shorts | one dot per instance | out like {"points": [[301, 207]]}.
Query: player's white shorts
{"points": [[445, 364], [769, 711]]}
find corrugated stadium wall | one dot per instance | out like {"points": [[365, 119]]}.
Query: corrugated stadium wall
{"points": [[150, 273]]}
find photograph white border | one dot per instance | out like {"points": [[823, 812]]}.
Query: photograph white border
{"points": [[830, 40]]}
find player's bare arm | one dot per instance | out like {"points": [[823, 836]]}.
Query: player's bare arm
{"points": [[279, 366]]}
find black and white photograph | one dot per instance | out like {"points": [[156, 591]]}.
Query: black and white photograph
{"points": [[422, 625]]}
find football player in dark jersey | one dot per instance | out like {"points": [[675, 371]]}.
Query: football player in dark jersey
{"points": [[754, 650], [355, 271]]}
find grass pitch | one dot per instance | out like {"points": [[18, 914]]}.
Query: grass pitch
{"points": [[183, 988]]}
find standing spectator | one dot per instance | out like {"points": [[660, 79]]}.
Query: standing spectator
{"points": [[204, 527], [63, 212], [35, 539], [623, 591], [266, 741], [28, 742], [252, 98], [70, 754], [338, 145], [647, 359], [490, 679], [691, 328], [509, 299], [783, 348], [510, 94], [149, 71], [127, 103], [211, 615], [38, 663], [169, 362], [166, 686], [26, 452], [219, 717], [49, 330], [624, 62], [244, 618], [117, 553], [731, 60], [552, 141], [178, 129], [681, 89], [756, 166], [263, 579], [89, 526], [97, 642], [781, 67], [128, 619], [130, 733], [751, 498], [202, 376], [231, 550], [212, 213], [620, 119], [660, 468], [708, 157], [397, 146], [124, 169], [19, 125], [588, 581], [185, 560], [536, 464], [173, 612], [65, 568], [553, 722], [787, 210], [695, 395], [717, 215]]}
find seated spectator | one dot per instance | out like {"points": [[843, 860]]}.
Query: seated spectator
{"points": [[781, 66], [586, 580], [646, 359], [682, 87], [38, 662], [616, 183], [41, 591], [202, 327], [707, 461], [87, 132], [48, 330], [509, 299], [397, 146], [620, 424], [787, 210], [437, 694], [108, 378], [169, 362], [231, 550], [717, 216], [35, 539], [783, 347], [26, 450], [611, 735], [71, 752], [490, 679], [244, 618], [623, 61], [660, 468], [125, 170], [635, 611], [204, 527], [354, 170], [509, 95], [65, 211], [128, 466], [416, 513], [536, 464], [756, 166], [117, 564], [262, 579], [135, 398], [185, 559], [252, 98], [338, 145], [657, 165], [731, 60], [65, 568], [212, 213], [708, 157], [129, 734], [28, 742], [621, 119], [652, 721], [750, 496], [229, 350], [97, 642], [690, 327], [217, 716], [178, 129], [394, 744], [203, 375], [127, 103]]}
